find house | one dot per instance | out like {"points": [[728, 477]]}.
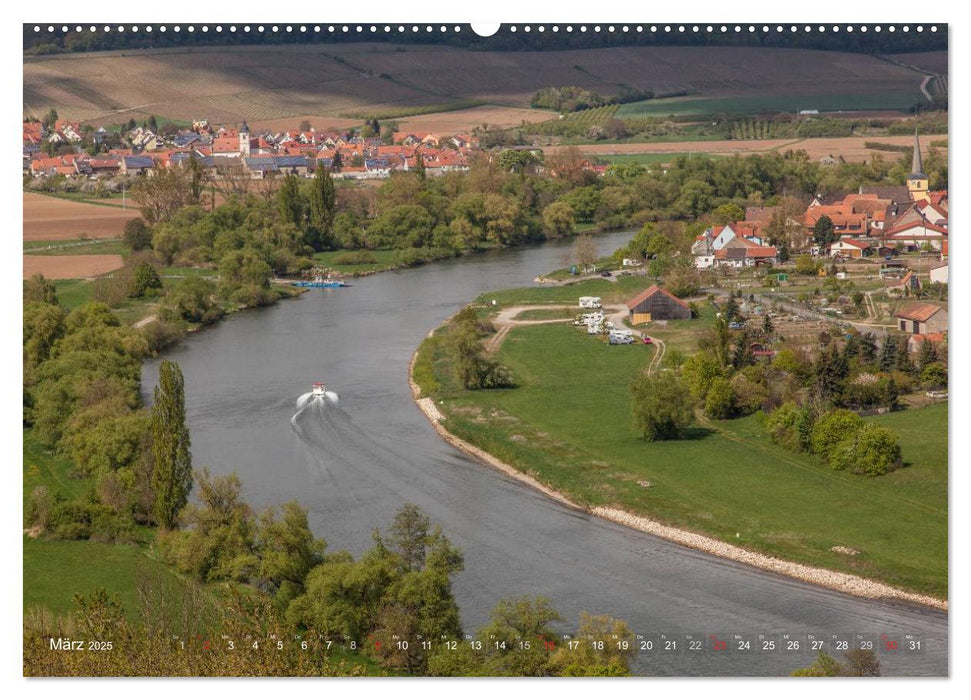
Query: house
{"points": [[850, 248], [136, 165], [915, 235], [922, 318], [743, 252], [938, 273], [657, 304], [916, 340]]}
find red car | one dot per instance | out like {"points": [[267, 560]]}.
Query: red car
{"points": [[647, 340]]}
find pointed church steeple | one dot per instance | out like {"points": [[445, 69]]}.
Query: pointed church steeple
{"points": [[917, 181], [917, 166]]}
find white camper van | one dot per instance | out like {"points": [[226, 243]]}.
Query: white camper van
{"points": [[620, 337], [590, 303]]}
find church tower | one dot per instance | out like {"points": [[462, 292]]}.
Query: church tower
{"points": [[244, 141], [917, 181]]}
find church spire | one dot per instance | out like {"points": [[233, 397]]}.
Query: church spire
{"points": [[917, 166]]}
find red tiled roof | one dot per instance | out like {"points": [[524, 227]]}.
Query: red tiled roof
{"points": [[651, 291], [918, 312]]}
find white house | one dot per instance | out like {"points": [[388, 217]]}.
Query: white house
{"points": [[939, 273]]}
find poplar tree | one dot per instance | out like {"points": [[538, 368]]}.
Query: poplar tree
{"points": [[290, 201], [172, 470], [323, 199]]}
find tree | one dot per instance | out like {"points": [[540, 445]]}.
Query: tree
{"points": [[805, 265], [323, 199], [145, 280], [337, 162], [720, 400], [727, 213], [585, 251], [558, 220], [49, 120], [217, 542], [137, 236], [172, 463], [39, 289], [824, 232], [661, 406], [287, 551], [290, 201]]}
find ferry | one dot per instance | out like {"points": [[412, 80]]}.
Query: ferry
{"points": [[319, 282], [319, 389]]}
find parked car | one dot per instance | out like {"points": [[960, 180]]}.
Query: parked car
{"points": [[647, 340], [606, 273], [736, 325]]}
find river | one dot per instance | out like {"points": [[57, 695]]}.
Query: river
{"points": [[354, 467]]}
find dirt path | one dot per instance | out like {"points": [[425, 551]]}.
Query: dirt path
{"points": [[506, 320]]}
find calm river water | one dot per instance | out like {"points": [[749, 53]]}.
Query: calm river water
{"points": [[353, 467]]}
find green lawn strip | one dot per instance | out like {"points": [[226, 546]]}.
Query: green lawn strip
{"points": [[106, 247], [73, 293], [54, 571], [112, 200], [610, 292], [565, 314], [646, 158], [725, 480], [44, 468], [384, 260]]}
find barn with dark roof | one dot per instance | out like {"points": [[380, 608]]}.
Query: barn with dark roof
{"points": [[657, 304]]}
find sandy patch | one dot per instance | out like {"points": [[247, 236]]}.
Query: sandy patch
{"points": [[52, 219], [62, 267]]}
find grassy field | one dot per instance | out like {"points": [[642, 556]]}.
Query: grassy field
{"points": [[758, 104], [644, 158], [726, 478], [77, 247], [610, 292], [384, 260]]}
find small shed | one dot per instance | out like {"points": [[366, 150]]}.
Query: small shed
{"points": [[657, 304], [922, 319]]}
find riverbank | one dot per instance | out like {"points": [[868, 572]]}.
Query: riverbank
{"points": [[512, 436]]}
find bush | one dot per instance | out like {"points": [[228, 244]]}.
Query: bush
{"points": [[720, 400], [833, 428], [144, 281], [661, 406], [161, 334], [750, 395], [934, 376], [871, 450], [790, 426], [137, 236]]}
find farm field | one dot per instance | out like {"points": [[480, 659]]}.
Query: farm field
{"points": [[765, 104], [56, 219], [58, 267], [725, 480], [851, 148], [258, 83]]}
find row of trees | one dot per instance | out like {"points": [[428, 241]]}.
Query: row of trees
{"points": [[810, 401], [507, 198], [82, 375]]}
